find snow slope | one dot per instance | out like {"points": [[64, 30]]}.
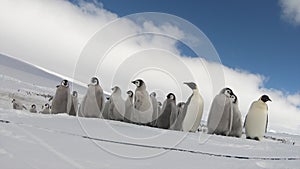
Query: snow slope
{"points": [[59, 141]]}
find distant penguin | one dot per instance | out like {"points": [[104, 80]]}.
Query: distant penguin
{"points": [[176, 124], [46, 109], [169, 111], [143, 109], [117, 105], [106, 109], [193, 110], [93, 102], [155, 109], [18, 105], [72, 107], [129, 107], [221, 114], [60, 99], [256, 121], [33, 109], [236, 130]]}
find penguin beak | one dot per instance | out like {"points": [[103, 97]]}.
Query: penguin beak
{"points": [[270, 100], [133, 82]]}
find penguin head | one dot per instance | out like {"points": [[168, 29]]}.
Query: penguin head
{"points": [[171, 96], [75, 94], [115, 89], [33, 106], [94, 81], [47, 106], [153, 94], [138, 83], [227, 92], [265, 98], [65, 83], [129, 93], [233, 98], [159, 103], [13, 100], [181, 105], [192, 85]]}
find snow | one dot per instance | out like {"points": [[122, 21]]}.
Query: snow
{"points": [[29, 140]]}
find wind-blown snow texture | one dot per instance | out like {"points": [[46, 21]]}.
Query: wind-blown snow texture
{"points": [[30, 140]]}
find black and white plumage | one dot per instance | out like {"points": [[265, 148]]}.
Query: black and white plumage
{"points": [[169, 111], [236, 130], [116, 105], [221, 113], [129, 107], [17, 105], [93, 102], [193, 110], [256, 121], [60, 99], [72, 107], [46, 109], [33, 109], [143, 109], [155, 109]]}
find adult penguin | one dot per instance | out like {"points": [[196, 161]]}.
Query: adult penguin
{"points": [[256, 121], [143, 109], [117, 105], [93, 102], [33, 109], [169, 111], [155, 109], [236, 130], [129, 107], [60, 99], [72, 107], [193, 110]]}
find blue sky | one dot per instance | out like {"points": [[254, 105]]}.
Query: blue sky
{"points": [[248, 35]]}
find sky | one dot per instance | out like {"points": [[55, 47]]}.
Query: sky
{"points": [[256, 42], [249, 35]]}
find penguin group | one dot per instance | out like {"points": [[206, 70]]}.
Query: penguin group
{"points": [[143, 108]]}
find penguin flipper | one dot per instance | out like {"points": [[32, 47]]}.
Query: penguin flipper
{"points": [[245, 121], [267, 123]]}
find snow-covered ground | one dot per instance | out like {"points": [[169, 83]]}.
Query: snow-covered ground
{"points": [[30, 140]]}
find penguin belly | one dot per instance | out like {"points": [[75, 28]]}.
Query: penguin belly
{"points": [[193, 115], [256, 121]]}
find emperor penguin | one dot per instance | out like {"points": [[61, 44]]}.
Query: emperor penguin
{"points": [[106, 109], [155, 109], [33, 109], [129, 107], [60, 99], [256, 121], [18, 105], [169, 112], [46, 109], [143, 109], [93, 102], [193, 110], [72, 107], [175, 124], [236, 130], [117, 105], [221, 113]]}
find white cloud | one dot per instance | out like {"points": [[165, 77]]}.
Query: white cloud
{"points": [[291, 10], [52, 34]]}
